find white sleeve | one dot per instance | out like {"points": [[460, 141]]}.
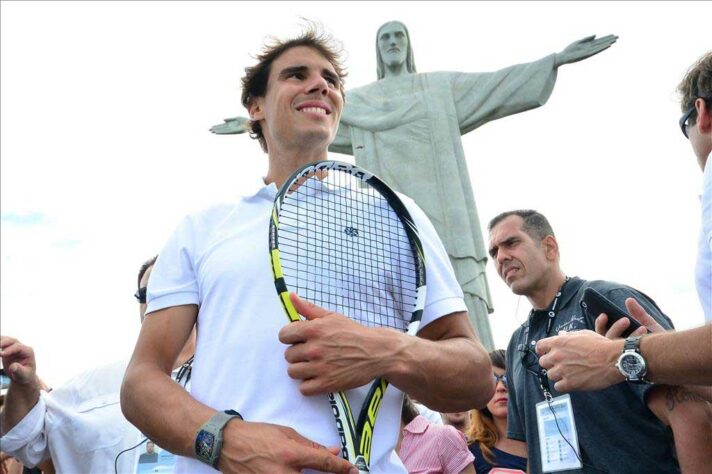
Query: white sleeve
{"points": [[443, 292], [27, 441], [173, 280]]}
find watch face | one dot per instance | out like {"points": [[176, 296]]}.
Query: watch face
{"points": [[632, 364], [204, 444]]}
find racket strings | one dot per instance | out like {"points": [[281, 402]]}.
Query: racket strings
{"points": [[344, 248]]}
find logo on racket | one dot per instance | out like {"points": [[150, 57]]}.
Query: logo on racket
{"points": [[351, 231]]}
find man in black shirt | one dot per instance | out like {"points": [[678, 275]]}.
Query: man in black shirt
{"points": [[619, 429]]}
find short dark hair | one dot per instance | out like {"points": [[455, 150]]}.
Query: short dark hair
{"points": [[498, 357], [696, 83], [535, 224], [409, 411], [144, 268], [254, 83]]}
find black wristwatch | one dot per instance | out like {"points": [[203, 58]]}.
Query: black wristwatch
{"points": [[209, 439], [631, 362]]}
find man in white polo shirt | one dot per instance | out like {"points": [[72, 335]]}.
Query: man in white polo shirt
{"points": [[215, 270]]}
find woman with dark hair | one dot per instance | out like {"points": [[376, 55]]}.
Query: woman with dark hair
{"points": [[488, 428]]}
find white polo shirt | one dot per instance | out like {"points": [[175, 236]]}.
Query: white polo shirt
{"points": [[219, 260]]}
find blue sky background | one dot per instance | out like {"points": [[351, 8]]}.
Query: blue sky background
{"points": [[106, 106]]}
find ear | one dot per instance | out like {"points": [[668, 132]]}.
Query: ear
{"points": [[704, 119], [551, 247], [254, 107]]}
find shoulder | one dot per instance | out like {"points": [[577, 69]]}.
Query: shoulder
{"points": [[475, 449], [102, 380], [517, 335], [618, 293]]}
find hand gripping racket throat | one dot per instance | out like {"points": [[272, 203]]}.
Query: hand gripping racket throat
{"points": [[342, 239]]}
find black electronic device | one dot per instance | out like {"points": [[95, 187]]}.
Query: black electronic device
{"points": [[594, 303]]}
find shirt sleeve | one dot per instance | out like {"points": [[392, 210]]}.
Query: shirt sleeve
{"points": [[443, 292], [454, 453], [173, 279], [27, 441]]}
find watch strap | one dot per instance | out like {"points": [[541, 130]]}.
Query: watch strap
{"points": [[214, 426], [632, 343]]}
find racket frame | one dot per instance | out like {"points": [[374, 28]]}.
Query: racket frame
{"points": [[355, 442]]}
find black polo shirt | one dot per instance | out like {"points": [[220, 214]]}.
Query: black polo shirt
{"points": [[617, 433]]}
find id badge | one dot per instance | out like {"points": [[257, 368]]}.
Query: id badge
{"points": [[152, 458], [558, 441]]}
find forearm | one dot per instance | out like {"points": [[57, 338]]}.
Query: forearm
{"points": [[19, 400], [683, 357], [433, 372], [690, 418], [161, 408]]}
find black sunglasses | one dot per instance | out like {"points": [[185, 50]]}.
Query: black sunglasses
{"points": [[684, 125], [684, 119], [500, 378], [140, 295]]}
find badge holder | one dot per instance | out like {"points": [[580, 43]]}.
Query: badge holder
{"points": [[555, 417]]}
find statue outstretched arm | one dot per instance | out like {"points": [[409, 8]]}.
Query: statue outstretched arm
{"points": [[239, 125], [232, 126], [584, 48]]}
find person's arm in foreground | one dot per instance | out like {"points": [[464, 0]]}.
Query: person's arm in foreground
{"points": [[584, 360], [445, 368], [690, 418], [24, 391], [166, 413]]}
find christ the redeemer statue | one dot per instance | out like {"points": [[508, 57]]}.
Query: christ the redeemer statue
{"points": [[406, 129]]}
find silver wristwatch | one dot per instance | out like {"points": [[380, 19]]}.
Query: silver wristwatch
{"points": [[631, 362], [209, 439]]}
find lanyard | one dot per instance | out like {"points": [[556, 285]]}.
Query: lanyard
{"points": [[541, 373]]}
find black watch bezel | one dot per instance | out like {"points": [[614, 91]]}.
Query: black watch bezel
{"points": [[631, 349]]}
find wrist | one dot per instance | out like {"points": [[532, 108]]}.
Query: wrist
{"points": [[208, 443], [615, 348], [394, 363]]}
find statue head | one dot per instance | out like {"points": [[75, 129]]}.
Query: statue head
{"points": [[254, 83], [393, 47]]}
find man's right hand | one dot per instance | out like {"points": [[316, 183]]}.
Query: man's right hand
{"points": [[263, 447], [648, 323], [18, 360]]}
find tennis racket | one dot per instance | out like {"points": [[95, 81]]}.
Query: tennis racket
{"points": [[342, 239]]}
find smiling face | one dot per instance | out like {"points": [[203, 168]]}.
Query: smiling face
{"points": [[498, 404], [392, 44], [520, 261], [302, 105]]}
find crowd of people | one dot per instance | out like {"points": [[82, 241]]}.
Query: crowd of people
{"points": [[568, 395]]}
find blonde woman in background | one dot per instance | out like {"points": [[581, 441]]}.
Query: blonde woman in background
{"points": [[487, 434]]}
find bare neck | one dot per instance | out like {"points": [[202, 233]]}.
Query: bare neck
{"points": [[501, 425], [511, 446], [543, 296], [283, 163]]}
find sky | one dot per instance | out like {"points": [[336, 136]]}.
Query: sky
{"points": [[105, 110]]}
